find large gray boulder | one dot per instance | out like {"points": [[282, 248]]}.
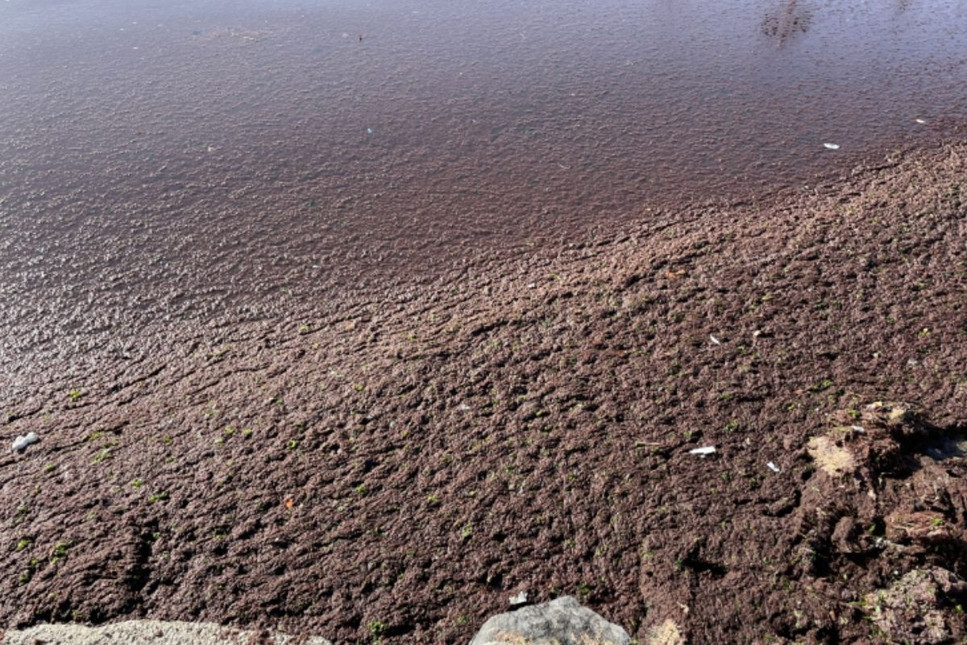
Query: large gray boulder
{"points": [[559, 622]]}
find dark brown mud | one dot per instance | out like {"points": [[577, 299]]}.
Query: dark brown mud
{"points": [[396, 463]]}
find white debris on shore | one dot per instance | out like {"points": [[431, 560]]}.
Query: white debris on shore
{"points": [[20, 443], [704, 450]]}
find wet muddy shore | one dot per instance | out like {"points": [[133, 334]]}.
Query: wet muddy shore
{"points": [[359, 318], [396, 461]]}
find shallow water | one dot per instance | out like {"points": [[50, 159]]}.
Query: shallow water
{"points": [[163, 152]]}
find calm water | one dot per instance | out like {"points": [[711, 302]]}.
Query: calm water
{"points": [[145, 142]]}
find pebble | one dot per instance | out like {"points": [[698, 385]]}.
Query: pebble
{"points": [[20, 443]]}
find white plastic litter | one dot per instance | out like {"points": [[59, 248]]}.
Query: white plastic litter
{"points": [[519, 599], [20, 443], [704, 450], [714, 339], [831, 146], [858, 429], [774, 468], [920, 121]]}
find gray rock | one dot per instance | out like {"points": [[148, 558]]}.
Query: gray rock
{"points": [[559, 622], [148, 632]]}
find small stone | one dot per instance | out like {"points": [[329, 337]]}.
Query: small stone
{"points": [[20, 443], [562, 621]]}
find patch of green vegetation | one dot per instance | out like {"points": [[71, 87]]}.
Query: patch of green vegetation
{"points": [[293, 444], [59, 552], [246, 432], [49, 468], [376, 629], [137, 483], [75, 394], [825, 384], [23, 543], [28, 574], [167, 440], [158, 497], [104, 455]]}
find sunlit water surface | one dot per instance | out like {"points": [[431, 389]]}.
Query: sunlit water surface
{"points": [[204, 147]]}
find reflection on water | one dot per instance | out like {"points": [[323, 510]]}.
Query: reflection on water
{"points": [[788, 20], [678, 94]]}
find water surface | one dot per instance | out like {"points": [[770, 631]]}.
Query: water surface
{"points": [[184, 156]]}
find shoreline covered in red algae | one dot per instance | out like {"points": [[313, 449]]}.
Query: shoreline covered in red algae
{"points": [[408, 456], [355, 321]]}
